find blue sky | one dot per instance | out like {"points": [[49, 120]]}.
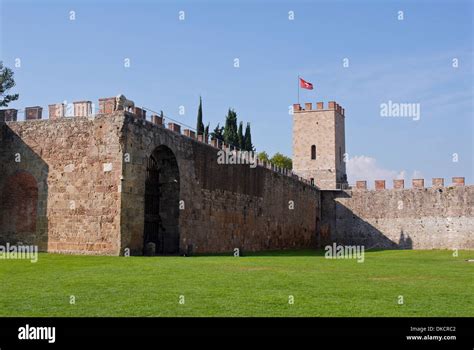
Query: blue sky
{"points": [[173, 62]]}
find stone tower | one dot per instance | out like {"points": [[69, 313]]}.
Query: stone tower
{"points": [[319, 144]]}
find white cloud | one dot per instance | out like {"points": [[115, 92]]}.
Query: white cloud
{"points": [[366, 168]]}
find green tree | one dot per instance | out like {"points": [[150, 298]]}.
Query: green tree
{"points": [[240, 136], [199, 124], [206, 130], [248, 146], [217, 134], [281, 161], [6, 83], [263, 156], [230, 128]]}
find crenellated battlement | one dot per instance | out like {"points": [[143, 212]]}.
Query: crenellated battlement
{"points": [[308, 107], [319, 144], [398, 184], [110, 151], [82, 187], [110, 105]]}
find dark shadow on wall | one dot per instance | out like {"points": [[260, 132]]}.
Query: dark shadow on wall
{"points": [[342, 226], [23, 192], [405, 242]]}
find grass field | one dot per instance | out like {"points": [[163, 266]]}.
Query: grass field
{"points": [[432, 283]]}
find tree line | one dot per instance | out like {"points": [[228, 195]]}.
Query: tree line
{"points": [[278, 160], [235, 136], [230, 133]]}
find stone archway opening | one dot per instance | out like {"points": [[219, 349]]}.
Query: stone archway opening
{"points": [[161, 230]]}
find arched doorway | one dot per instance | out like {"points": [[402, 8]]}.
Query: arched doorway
{"points": [[161, 233]]}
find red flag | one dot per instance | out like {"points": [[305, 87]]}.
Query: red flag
{"points": [[306, 85]]}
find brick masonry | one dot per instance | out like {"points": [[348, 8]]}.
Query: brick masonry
{"points": [[323, 129], [90, 185], [226, 206], [77, 185], [415, 218], [78, 207]]}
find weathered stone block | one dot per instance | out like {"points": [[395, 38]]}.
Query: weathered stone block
{"points": [[418, 183], [458, 181], [174, 127], [189, 133], [437, 182], [57, 111], [107, 105], [32, 113], [8, 115], [82, 108], [155, 119], [379, 185], [398, 184]]}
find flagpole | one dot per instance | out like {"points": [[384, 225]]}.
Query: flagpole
{"points": [[298, 89]]}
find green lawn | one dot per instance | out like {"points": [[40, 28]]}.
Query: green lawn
{"points": [[432, 283]]}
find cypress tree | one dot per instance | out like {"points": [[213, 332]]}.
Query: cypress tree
{"points": [[217, 133], [230, 128], [240, 137], [248, 139], [199, 124]]}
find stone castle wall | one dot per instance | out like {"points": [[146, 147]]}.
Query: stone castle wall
{"points": [[77, 185], [80, 186], [225, 206], [75, 164], [415, 218]]}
